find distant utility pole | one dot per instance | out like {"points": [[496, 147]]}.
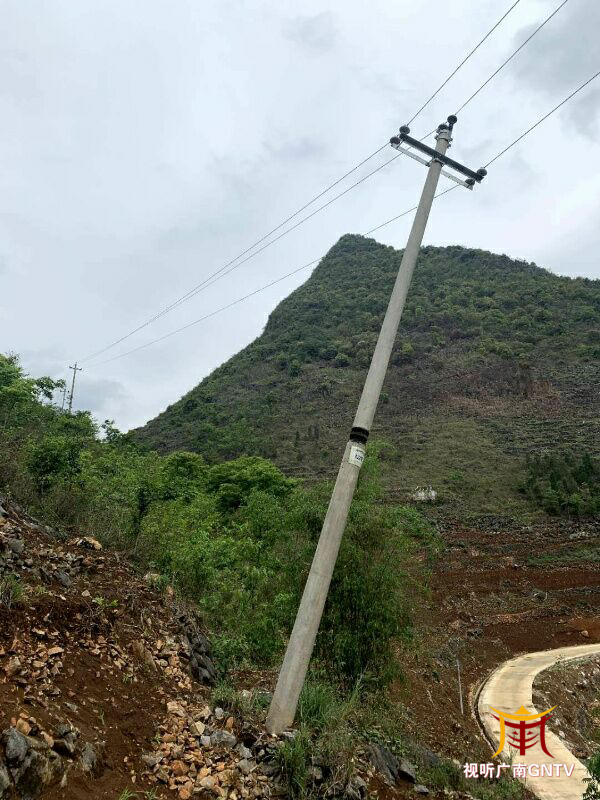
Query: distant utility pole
{"points": [[75, 369], [62, 407], [302, 640]]}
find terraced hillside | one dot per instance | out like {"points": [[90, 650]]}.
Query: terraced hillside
{"points": [[496, 358]]}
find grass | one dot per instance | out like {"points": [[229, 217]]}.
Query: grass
{"points": [[449, 776], [577, 555], [11, 591]]}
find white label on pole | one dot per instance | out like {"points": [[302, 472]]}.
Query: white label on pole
{"points": [[357, 455]]}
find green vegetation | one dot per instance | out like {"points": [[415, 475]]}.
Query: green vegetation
{"points": [[236, 537], [496, 358], [565, 558], [11, 590], [592, 791], [564, 483]]}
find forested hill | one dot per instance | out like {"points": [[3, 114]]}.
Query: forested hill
{"points": [[496, 358]]}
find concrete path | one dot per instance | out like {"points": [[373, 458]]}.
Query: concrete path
{"points": [[507, 689]]}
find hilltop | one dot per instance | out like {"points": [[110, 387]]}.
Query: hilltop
{"points": [[496, 359]]}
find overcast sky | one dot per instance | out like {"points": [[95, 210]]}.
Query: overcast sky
{"points": [[145, 144]]}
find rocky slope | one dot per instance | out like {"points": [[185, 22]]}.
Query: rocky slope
{"points": [[496, 358], [102, 681], [105, 689]]}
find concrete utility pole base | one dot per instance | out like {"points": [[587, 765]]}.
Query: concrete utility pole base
{"points": [[302, 640]]}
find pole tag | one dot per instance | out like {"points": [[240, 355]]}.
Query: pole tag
{"points": [[357, 455]]}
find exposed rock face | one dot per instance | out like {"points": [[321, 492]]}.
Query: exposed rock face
{"points": [[29, 765], [201, 666], [391, 768]]}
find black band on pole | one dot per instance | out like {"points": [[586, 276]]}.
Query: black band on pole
{"points": [[359, 435]]}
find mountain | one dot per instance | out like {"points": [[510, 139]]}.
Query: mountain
{"points": [[496, 359]]}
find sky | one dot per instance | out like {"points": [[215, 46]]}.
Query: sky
{"points": [[145, 145]]}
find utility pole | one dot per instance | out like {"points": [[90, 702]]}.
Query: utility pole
{"points": [[302, 639], [62, 407], [75, 369]]}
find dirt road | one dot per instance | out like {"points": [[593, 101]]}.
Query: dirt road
{"points": [[507, 689]]}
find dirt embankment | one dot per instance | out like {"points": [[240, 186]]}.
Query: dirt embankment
{"points": [[103, 681], [495, 593]]}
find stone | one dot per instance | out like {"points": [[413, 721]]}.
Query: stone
{"points": [[92, 759], [208, 783], [356, 788], [219, 713], [15, 746], [223, 738], [4, 777], [17, 546], [179, 768], [64, 579], [243, 751], [142, 653], [391, 768], [30, 763], [175, 708], [407, 771], [88, 542], [205, 741], [420, 789], [245, 766], [14, 667], [23, 727]]}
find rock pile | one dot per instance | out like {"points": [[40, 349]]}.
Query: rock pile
{"points": [[203, 751]]}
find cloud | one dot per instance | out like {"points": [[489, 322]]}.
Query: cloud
{"points": [[317, 33], [296, 149], [142, 152], [100, 395], [561, 57]]}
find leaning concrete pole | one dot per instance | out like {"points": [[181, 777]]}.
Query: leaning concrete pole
{"points": [[302, 640]]}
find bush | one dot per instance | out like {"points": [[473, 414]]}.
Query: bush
{"points": [[235, 480], [564, 483]]}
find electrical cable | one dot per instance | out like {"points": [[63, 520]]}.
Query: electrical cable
{"points": [[256, 291], [222, 271], [462, 63], [539, 122], [504, 63]]}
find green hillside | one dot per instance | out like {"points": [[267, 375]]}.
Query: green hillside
{"points": [[496, 359]]}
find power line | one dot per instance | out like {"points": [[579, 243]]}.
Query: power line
{"points": [[545, 117], [256, 291], [511, 56], [372, 230], [504, 63], [462, 63], [222, 272], [208, 281]]}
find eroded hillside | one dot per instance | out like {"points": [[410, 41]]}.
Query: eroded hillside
{"points": [[495, 358]]}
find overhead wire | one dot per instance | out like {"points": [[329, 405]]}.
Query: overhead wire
{"points": [[372, 230], [462, 63], [223, 271], [256, 291], [542, 119], [208, 281], [504, 64], [510, 58]]}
